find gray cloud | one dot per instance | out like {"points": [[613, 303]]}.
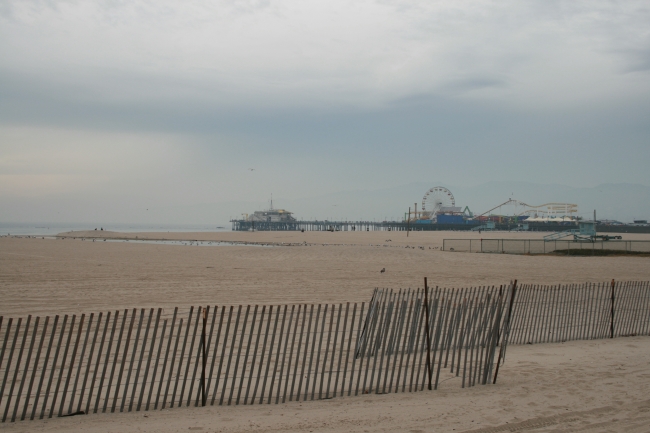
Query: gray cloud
{"points": [[243, 53], [320, 97], [638, 61]]}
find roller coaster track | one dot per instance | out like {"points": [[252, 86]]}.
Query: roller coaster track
{"points": [[571, 208]]}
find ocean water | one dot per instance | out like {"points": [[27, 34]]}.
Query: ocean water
{"points": [[50, 229]]}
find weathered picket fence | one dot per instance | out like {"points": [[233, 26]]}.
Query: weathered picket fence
{"points": [[152, 359]]}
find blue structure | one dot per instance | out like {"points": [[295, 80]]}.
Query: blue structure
{"points": [[450, 219]]}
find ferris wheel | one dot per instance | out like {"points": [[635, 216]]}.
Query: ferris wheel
{"points": [[435, 199]]}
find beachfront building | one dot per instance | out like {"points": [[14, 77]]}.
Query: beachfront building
{"points": [[271, 215], [270, 219]]}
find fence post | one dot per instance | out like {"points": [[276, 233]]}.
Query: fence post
{"points": [[203, 353], [504, 341], [426, 312], [611, 327]]}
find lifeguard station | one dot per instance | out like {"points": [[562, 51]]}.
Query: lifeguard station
{"points": [[586, 232]]}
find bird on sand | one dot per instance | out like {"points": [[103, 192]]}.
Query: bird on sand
{"points": [[382, 270]]}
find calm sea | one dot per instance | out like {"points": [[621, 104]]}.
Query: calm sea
{"points": [[49, 229]]}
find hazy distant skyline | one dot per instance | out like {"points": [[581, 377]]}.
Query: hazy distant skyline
{"points": [[118, 106]]}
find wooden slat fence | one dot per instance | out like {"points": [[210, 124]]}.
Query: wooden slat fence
{"points": [[465, 326], [152, 359], [548, 314]]}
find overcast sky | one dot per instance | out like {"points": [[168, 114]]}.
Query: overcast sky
{"points": [[150, 103]]}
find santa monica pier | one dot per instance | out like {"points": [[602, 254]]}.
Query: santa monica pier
{"points": [[438, 211]]}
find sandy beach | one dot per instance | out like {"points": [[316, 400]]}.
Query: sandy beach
{"points": [[580, 386], [574, 386], [45, 276]]}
